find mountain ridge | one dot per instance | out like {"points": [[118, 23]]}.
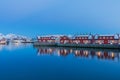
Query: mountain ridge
{"points": [[12, 36]]}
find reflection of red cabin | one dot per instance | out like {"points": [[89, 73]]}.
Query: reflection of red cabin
{"points": [[50, 39], [106, 55], [45, 51], [64, 52], [92, 53]]}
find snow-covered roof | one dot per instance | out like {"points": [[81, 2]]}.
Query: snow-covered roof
{"points": [[82, 35], [106, 35], [50, 35]]}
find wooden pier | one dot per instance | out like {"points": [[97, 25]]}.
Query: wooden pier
{"points": [[102, 46], [44, 44]]}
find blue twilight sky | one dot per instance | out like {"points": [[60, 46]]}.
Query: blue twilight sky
{"points": [[35, 17]]}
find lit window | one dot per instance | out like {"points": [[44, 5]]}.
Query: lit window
{"points": [[111, 37], [99, 37], [103, 37]]}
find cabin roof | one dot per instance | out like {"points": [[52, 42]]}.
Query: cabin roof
{"points": [[106, 35]]}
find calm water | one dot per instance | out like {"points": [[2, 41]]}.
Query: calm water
{"points": [[25, 62]]}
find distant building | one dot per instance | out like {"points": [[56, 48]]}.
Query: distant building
{"points": [[65, 40], [81, 39], [106, 39], [47, 39]]}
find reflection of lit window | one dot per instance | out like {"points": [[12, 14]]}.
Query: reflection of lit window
{"points": [[99, 54], [58, 52], [50, 50], [112, 55], [85, 53], [71, 50], [65, 51], [76, 52]]}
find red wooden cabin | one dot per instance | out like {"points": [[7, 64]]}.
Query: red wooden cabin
{"points": [[47, 39], [65, 40], [83, 39], [106, 39]]}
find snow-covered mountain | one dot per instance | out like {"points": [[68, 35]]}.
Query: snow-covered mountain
{"points": [[12, 36]]}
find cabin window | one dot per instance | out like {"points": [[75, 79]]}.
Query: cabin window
{"points": [[99, 37], [61, 40], [106, 37], [43, 40], [86, 41], [103, 37], [111, 37]]}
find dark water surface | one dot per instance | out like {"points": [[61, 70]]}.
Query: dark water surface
{"points": [[25, 62]]}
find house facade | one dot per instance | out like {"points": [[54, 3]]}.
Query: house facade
{"points": [[106, 39], [46, 39], [81, 39]]}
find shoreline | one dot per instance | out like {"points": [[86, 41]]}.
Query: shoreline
{"points": [[96, 46]]}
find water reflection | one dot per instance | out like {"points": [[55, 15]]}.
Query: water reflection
{"points": [[13, 46], [105, 54]]}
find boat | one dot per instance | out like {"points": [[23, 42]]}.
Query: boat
{"points": [[26, 41], [16, 41], [3, 41]]}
